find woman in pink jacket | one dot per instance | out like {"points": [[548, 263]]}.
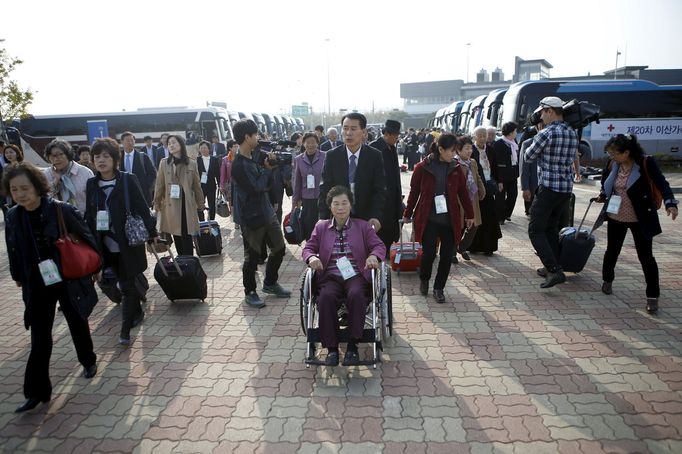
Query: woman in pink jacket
{"points": [[226, 172]]}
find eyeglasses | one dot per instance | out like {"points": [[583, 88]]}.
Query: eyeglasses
{"points": [[59, 154]]}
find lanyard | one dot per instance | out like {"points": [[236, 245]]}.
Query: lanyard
{"points": [[30, 231]]}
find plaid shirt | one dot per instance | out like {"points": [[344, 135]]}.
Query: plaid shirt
{"points": [[554, 148]]}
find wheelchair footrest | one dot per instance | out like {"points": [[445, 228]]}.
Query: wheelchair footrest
{"points": [[368, 335], [319, 362]]}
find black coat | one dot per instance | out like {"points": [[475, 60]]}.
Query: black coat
{"points": [[328, 145], [370, 181], [160, 155], [23, 260], [133, 258], [390, 229], [639, 192], [155, 154], [145, 171], [220, 150], [213, 173], [506, 172]]}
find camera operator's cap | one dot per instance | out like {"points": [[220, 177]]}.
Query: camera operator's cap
{"points": [[550, 101], [392, 127]]}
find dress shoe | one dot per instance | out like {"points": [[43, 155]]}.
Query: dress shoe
{"points": [[30, 404], [332, 359], [253, 300], [277, 290], [424, 287], [439, 295], [652, 305], [553, 279], [89, 372], [351, 358], [465, 255], [542, 272], [124, 339], [606, 288]]}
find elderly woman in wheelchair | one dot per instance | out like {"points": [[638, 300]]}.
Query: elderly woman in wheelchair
{"points": [[342, 251]]}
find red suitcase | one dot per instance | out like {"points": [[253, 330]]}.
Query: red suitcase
{"points": [[405, 255]]}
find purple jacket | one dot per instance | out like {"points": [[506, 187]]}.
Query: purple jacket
{"points": [[302, 168], [362, 238]]}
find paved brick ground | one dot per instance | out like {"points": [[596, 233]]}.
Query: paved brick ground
{"points": [[504, 367]]}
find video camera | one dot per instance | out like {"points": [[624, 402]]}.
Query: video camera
{"points": [[577, 114], [282, 157]]}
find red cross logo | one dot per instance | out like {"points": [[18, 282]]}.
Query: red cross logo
{"points": [[611, 128]]}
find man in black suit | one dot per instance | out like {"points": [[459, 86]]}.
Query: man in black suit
{"points": [[149, 149], [358, 167], [390, 228], [332, 140], [209, 175], [162, 149], [506, 152], [138, 164], [218, 148]]}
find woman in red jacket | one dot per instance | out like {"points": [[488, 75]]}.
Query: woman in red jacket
{"points": [[437, 188]]}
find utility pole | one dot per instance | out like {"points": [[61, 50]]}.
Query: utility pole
{"points": [[468, 47], [615, 71]]}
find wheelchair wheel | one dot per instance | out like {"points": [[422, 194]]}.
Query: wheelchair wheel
{"points": [[386, 305], [304, 300]]}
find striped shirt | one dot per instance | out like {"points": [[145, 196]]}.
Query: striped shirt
{"points": [[341, 248], [555, 149]]}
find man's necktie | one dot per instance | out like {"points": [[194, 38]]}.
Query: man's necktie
{"points": [[129, 165], [352, 166]]}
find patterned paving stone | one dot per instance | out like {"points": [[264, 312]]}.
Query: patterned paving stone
{"points": [[504, 368]]}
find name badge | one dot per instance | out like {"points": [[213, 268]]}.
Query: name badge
{"points": [[310, 181], [175, 191], [204, 178], [614, 204], [102, 221], [49, 272], [346, 268], [441, 204]]}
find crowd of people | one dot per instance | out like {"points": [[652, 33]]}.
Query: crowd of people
{"points": [[462, 190]]}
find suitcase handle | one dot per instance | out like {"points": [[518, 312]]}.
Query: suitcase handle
{"points": [[158, 259], [589, 205], [402, 222]]}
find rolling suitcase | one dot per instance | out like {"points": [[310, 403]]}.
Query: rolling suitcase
{"points": [[293, 227], [181, 277], [209, 241], [405, 256], [575, 245]]}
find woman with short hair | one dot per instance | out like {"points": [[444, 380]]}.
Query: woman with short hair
{"points": [[67, 178], [32, 229], [306, 181]]}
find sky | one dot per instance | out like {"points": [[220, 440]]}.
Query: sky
{"points": [[266, 55]]}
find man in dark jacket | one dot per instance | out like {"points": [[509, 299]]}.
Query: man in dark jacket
{"points": [[138, 164], [358, 167], [254, 213], [218, 148], [390, 228], [332, 140]]}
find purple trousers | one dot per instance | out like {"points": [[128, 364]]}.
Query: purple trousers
{"points": [[331, 291]]}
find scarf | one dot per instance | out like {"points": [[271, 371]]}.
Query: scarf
{"points": [[514, 150], [471, 181], [66, 190]]}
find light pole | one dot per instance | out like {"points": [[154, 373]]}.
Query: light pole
{"points": [[468, 47], [329, 96], [615, 71]]}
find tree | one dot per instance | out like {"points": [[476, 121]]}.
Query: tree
{"points": [[14, 101]]}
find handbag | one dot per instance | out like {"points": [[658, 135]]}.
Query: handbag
{"points": [[135, 229], [222, 209], [77, 258]]}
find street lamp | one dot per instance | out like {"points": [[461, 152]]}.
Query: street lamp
{"points": [[329, 96], [468, 47], [615, 71]]}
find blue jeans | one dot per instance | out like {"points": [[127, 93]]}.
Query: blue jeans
{"points": [[543, 229]]}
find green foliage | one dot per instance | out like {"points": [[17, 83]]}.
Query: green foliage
{"points": [[14, 101]]}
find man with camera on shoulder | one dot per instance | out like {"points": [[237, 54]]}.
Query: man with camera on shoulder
{"points": [[255, 215]]}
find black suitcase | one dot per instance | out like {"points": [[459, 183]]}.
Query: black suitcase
{"points": [[181, 277], [575, 245], [209, 241]]}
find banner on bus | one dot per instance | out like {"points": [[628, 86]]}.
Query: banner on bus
{"points": [[97, 129], [644, 129]]}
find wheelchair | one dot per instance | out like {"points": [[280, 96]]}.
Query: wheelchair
{"points": [[378, 319]]}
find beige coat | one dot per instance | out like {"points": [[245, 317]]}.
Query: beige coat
{"points": [[170, 210], [481, 192]]}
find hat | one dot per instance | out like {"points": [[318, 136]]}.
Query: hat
{"points": [[550, 101], [392, 127]]}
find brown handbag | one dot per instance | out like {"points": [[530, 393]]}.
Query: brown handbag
{"points": [[77, 258]]}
